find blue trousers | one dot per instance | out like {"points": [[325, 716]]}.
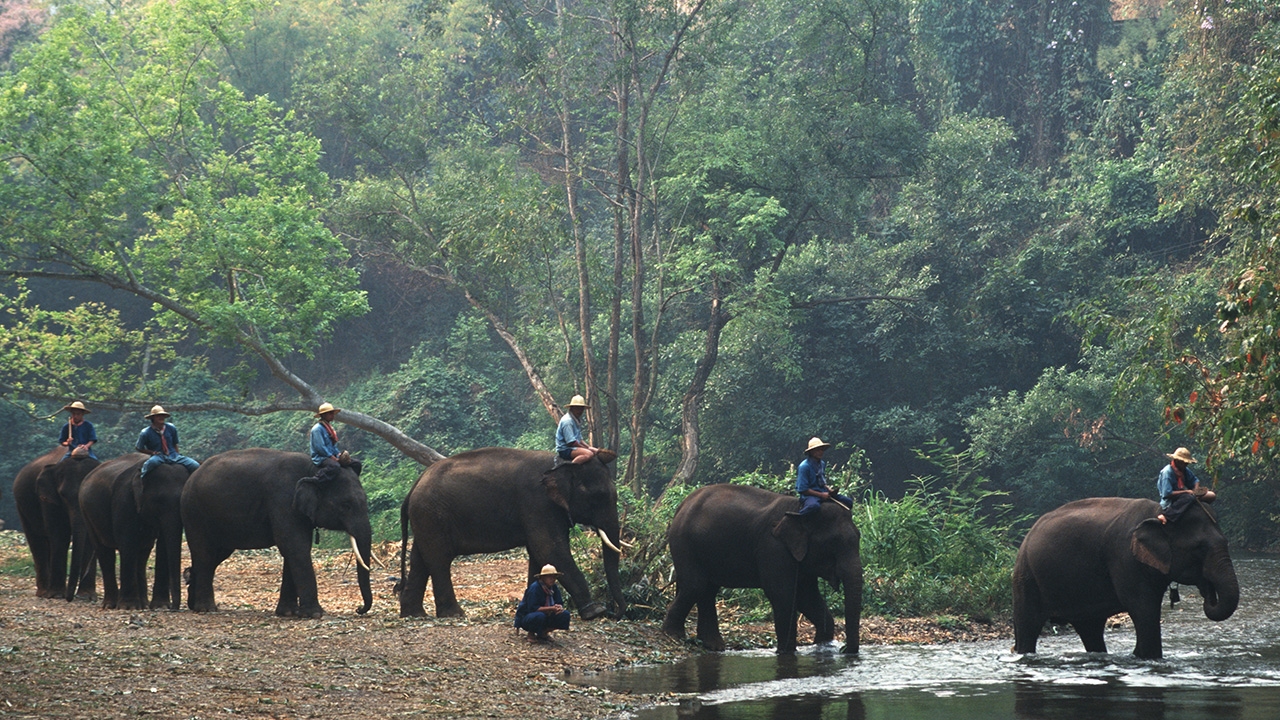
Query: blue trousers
{"points": [[182, 460], [538, 622], [809, 503]]}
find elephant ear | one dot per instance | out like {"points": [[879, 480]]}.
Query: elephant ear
{"points": [[137, 485], [556, 484], [791, 532], [306, 499], [1149, 542], [46, 485]]}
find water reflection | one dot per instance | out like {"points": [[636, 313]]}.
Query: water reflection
{"points": [[1218, 671]]}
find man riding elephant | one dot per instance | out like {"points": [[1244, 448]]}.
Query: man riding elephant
{"points": [[160, 441], [325, 454]]}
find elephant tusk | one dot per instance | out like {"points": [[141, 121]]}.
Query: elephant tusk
{"points": [[627, 545], [356, 550], [605, 539]]}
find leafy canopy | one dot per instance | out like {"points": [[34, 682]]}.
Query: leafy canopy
{"points": [[131, 162]]}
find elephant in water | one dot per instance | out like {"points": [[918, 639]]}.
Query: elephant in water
{"points": [[253, 499], [1091, 559], [495, 499], [46, 492], [738, 536], [129, 513]]}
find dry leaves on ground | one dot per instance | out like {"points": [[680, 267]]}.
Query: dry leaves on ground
{"points": [[76, 660]]}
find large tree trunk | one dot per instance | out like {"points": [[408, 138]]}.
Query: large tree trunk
{"points": [[697, 387]]}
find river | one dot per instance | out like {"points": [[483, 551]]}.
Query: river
{"points": [[1219, 671]]}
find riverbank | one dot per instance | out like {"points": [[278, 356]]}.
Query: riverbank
{"points": [[73, 660]]}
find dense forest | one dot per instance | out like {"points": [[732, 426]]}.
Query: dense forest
{"points": [[1020, 247]]}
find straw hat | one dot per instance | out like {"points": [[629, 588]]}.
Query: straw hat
{"points": [[578, 401], [77, 405], [549, 569], [816, 443], [156, 410], [326, 407], [1182, 454]]}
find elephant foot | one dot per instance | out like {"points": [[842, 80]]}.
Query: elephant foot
{"points": [[133, 605], [453, 611], [287, 611], [412, 609], [202, 606], [675, 633], [714, 644], [592, 611], [315, 613]]}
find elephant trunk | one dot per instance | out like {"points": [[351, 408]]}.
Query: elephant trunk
{"points": [[362, 544], [850, 570], [1220, 588], [611, 557]]}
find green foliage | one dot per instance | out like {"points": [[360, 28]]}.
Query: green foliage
{"points": [[944, 547], [172, 186]]}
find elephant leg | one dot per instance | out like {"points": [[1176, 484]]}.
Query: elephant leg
{"points": [[204, 562], [1146, 625], [173, 570], [1090, 631], [287, 604], [110, 592], [414, 588], [1028, 615], [709, 620], [678, 610], [442, 587], [40, 553], [810, 603], [89, 577], [59, 543], [783, 600], [134, 551], [160, 582], [299, 577], [557, 553], [81, 577]]}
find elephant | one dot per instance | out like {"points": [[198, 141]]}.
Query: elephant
{"points": [[1091, 559], [252, 498], [129, 513], [46, 492], [739, 536], [494, 499]]}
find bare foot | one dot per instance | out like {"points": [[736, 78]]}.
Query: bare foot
{"points": [[1162, 519]]}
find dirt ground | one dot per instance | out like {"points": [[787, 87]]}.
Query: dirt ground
{"points": [[76, 660]]}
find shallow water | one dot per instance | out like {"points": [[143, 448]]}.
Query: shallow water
{"points": [[1223, 671]]}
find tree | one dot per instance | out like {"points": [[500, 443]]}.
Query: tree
{"points": [[131, 164]]}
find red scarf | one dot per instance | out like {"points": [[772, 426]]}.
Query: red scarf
{"points": [[1179, 475], [333, 434]]}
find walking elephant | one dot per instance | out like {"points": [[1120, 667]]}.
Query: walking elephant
{"points": [[1091, 559], [131, 514], [252, 498], [738, 536], [496, 499], [46, 493]]}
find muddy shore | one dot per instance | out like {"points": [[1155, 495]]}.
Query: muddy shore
{"points": [[76, 660]]}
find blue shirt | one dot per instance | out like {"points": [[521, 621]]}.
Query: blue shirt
{"points": [[323, 445], [568, 431], [149, 441], [536, 597], [811, 475], [80, 435], [1167, 482]]}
